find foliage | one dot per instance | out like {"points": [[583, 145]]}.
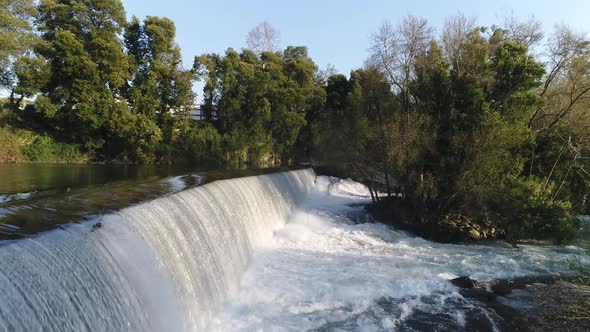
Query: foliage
{"points": [[525, 207], [448, 129], [160, 88], [17, 38], [88, 69], [19, 145], [261, 101], [197, 143], [45, 149]]}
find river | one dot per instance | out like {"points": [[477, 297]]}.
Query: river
{"points": [[39, 197], [279, 252]]}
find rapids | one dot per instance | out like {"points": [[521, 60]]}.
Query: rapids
{"points": [[327, 269]]}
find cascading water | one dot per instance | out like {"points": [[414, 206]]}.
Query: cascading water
{"points": [[162, 265]]}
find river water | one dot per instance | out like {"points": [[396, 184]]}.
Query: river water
{"points": [[328, 269], [40, 197], [279, 252]]}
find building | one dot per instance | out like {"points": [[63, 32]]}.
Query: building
{"points": [[197, 113]]}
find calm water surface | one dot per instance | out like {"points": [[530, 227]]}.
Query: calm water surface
{"points": [[39, 197]]}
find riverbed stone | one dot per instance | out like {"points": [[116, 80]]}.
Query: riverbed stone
{"points": [[464, 282], [501, 287]]}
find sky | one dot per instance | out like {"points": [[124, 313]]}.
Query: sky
{"points": [[337, 32]]}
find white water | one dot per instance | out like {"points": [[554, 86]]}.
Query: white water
{"points": [[222, 257], [324, 271], [165, 265]]}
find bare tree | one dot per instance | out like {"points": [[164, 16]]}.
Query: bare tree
{"points": [[566, 87], [529, 32], [264, 37], [324, 74], [456, 30], [394, 50]]}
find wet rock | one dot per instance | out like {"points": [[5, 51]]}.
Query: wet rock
{"points": [[475, 234], [464, 229], [96, 226], [464, 282], [478, 294], [541, 303], [501, 287]]}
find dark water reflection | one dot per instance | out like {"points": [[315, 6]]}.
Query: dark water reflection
{"points": [[39, 197]]}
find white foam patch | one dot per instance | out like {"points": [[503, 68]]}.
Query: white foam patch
{"points": [[176, 183]]}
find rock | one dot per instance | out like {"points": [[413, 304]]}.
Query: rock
{"points": [[501, 287], [479, 294], [96, 226], [464, 282], [474, 234]]}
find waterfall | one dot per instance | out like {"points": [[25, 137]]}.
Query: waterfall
{"points": [[166, 264]]}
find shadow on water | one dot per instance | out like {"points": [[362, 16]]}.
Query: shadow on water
{"points": [[39, 197]]}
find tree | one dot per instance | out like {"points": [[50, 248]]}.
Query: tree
{"points": [[32, 73], [394, 50], [263, 38], [529, 32], [302, 96], [17, 39], [566, 85], [262, 101], [460, 144], [160, 88], [89, 70], [208, 68], [456, 30], [342, 128], [326, 73]]}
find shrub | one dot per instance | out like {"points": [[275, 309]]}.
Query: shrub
{"points": [[45, 149], [22, 145], [525, 209]]}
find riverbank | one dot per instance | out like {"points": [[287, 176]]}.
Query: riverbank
{"points": [[455, 228], [23, 144]]}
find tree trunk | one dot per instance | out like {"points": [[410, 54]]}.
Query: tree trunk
{"points": [[565, 176], [554, 165], [371, 192]]}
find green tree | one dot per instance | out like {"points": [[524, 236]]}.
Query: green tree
{"points": [[461, 147], [262, 101], [88, 74], [17, 38], [160, 88], [208, 67]]}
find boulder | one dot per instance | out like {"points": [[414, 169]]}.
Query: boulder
{"points": [[501, 287], [464, 282]]}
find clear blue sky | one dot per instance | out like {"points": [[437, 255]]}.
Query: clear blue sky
{"points": [[335, 31]]}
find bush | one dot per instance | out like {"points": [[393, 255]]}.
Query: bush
{"points": [[193, 142], [10, 147], [22, 145], [203, 143], [525, 209], [45, 149]]}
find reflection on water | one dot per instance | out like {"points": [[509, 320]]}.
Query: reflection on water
{"points": [[39, 197]]}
